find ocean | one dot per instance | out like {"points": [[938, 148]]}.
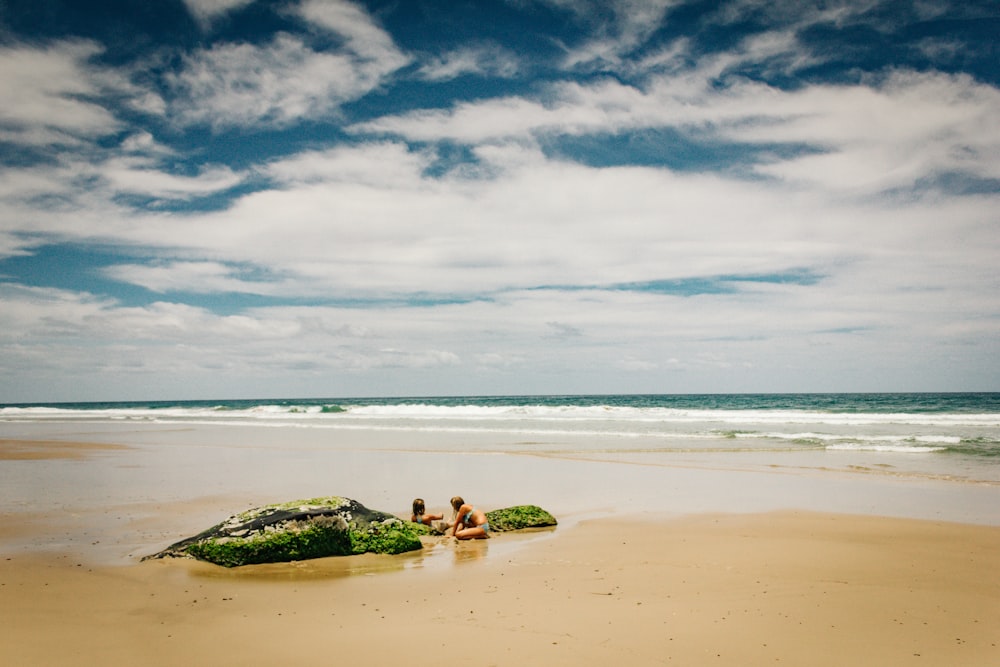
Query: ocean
{"points": [[946, 433], [928, 456]]}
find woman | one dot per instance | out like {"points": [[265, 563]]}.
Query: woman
{"points": [[470, 523]]}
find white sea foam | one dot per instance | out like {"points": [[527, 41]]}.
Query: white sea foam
{"points": [[746, 418], [888, 440], [425, 411], [657, 428], [428, 412], [873, 447]]}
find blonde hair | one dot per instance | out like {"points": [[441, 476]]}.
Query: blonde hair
{"points": [[457, 502]]}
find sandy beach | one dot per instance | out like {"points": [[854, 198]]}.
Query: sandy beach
{"points": [[788, 588], [695, 563]]}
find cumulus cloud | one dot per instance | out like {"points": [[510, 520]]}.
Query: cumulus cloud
{"points": [[48, 95], [389, 164], [239, 84], [909, 127], [886, 133], [274, 84], [342, 230], [85, 343], [78, 196]]}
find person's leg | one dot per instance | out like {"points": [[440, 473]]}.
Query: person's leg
{"points": [[473, 533]]}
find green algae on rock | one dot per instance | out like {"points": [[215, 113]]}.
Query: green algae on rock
{"points": [[300, 530], [518, 517]]}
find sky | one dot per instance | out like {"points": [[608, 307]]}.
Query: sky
{"points": [[321, 198]]}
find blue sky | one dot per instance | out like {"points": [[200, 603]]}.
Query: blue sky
{"points": [[229, 199]]}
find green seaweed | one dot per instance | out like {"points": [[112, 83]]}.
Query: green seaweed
{"points": [[518, 517], [389, 537], [318, 540], [418, 528]]}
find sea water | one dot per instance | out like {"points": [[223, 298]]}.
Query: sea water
{"points": [[954, 426], [931, 456]]}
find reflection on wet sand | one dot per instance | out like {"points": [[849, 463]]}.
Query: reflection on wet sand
{"points": [[470, 550], [438, 554], [319, 568]]}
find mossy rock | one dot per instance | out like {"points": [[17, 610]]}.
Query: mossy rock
{"points": [[300, 530], [518, 517]]}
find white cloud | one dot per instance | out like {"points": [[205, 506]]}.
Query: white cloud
{"points": [[348, 235], [88, 345], [794, 335], [279, 83], [49, 315], [364, 37], [487, 60], [912, 126], [46, 91], [619, 28], [871, 137], [286, 80], [140, 177], [372, 164], [470, 122], [191, 277], [77, 193], [144, 143], [794, 12], [369, 222], [207, 10]]}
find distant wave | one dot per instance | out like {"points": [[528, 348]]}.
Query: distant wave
{"points": [[872, 403], [615, 413], [568, 413], [874, 447], [965, 424]]}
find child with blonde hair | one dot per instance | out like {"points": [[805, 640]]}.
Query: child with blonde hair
{"points": [[420, 514]]}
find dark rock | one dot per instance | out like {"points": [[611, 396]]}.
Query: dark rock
{"points": [[300, 530]]}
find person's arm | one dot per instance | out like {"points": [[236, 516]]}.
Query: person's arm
{"points": [[462, 511]]}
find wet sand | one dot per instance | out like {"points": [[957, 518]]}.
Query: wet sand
{"points": [[775, 588], [31, 450], [643, 569]]}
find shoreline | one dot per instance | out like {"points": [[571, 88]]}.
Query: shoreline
{"points": [[753, 589], [114, 494], [689, 559]]}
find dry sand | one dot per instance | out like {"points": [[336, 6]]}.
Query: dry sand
{"points": [[777, 588]]}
